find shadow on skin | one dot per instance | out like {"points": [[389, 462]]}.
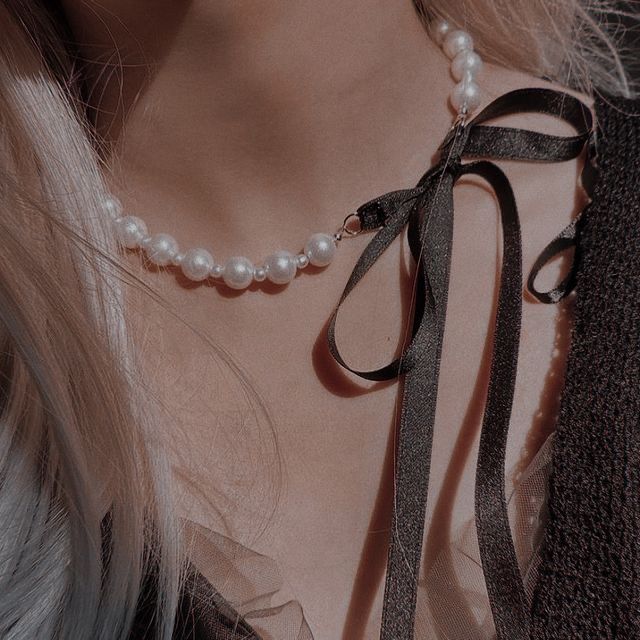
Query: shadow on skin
{"points": [[439, 530], [373, 560], [131, 67]]}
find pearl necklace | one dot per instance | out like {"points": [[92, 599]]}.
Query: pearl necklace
{"points": [[280, 268]]}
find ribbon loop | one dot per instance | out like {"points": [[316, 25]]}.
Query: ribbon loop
{"points": [[506, 143], [391, 212], [569, 236], [566, 239]]}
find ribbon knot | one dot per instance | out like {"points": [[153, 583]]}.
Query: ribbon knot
{"points": [[426, 211]]}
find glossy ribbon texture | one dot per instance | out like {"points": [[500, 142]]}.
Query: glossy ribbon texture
{"points": [[427, 212]]}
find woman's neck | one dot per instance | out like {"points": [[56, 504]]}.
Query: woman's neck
{"points": [[277, 117]]}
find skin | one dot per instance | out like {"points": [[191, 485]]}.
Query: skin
{"points": [[246, 128]]}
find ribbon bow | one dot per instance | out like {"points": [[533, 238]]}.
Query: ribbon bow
{"points": [[427, 211]]}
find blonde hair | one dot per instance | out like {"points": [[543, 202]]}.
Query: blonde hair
{"points": [[67, 374], [65, 379]]}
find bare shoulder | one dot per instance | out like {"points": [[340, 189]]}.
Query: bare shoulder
{"points": [[498, 80]]}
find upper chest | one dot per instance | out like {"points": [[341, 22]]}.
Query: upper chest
{"points": [[273, 444]]}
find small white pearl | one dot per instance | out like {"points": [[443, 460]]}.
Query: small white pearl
{"points": [[466, 61], [238, 272], [302, 260], [113, 206], [216, 271], [161, 249], [281, 267], [320, 249], [259, 274], [176, 261], [130, 231], [466, 97], [196, 264], [439, 30], [457, 41]]}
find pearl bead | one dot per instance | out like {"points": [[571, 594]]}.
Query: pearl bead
{"points": [[302, 261], [320, 249], [238, 272], [161, 249], [216, 271], [466, 97], [176, 261], [259, 274], [113, 206], [466, 62], [196, 264], [281, 267], [457, 41], [130, 231], [439, 30]]}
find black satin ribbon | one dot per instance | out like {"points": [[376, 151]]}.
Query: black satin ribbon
{"points": [[427, 212]]}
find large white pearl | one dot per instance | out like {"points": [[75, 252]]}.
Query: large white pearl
{"points": [[466, 62], [466, 97], [130, 231], [281, 267], [113, 206], [161, 249], [439, 30], [238, 272], [457, 41], [320, 249], [196, 264]]}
